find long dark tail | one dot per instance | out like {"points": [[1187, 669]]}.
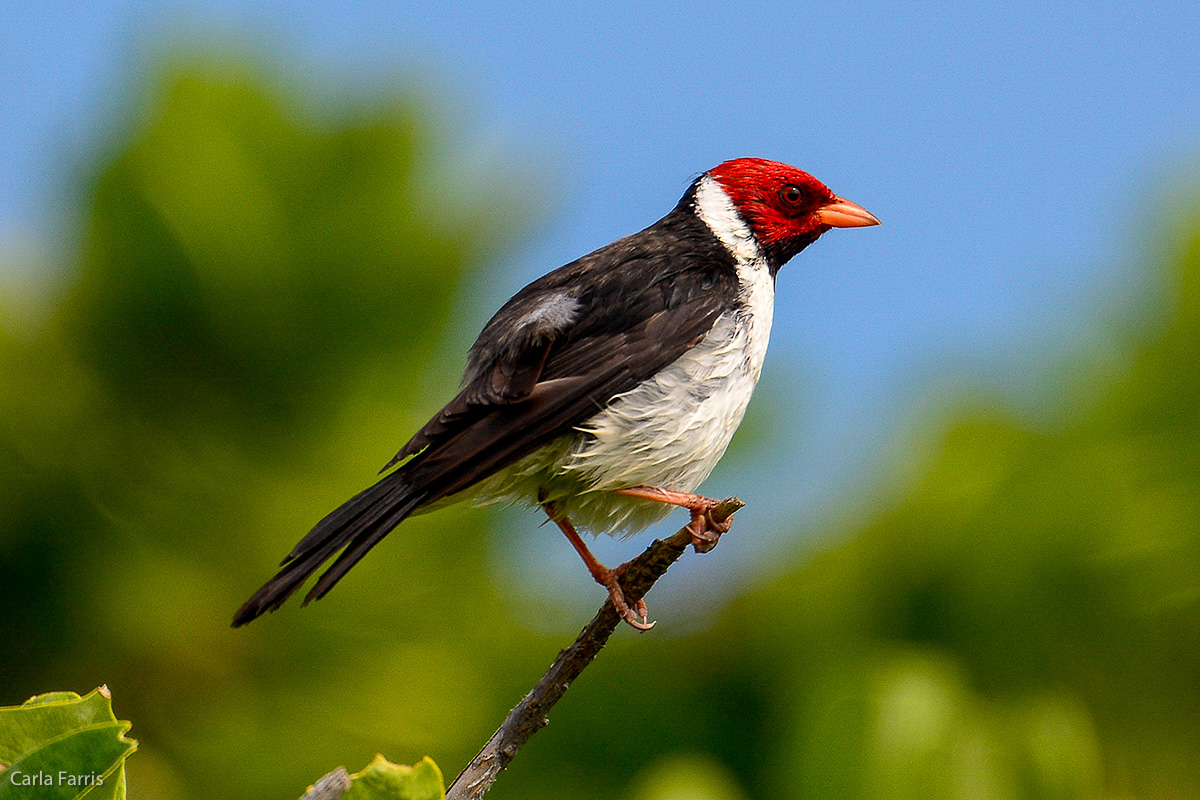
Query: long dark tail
{"points": [[357, 525]]}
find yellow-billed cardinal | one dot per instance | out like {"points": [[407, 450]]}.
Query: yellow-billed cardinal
{"points": [[606, 391]]}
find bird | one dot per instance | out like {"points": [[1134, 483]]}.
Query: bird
{"points": [[605, 391]]}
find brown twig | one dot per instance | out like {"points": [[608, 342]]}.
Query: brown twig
{"points": [[529, 716]]}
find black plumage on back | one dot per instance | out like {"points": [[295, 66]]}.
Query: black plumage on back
{"points": [[551, 358]]}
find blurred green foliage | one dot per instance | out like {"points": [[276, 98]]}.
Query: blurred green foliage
{"points": [[260, 295]]}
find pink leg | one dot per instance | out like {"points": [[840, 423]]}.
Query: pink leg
{"points": [[705, 532], [601, 574]]}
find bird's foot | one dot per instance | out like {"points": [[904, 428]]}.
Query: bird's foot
{"points": [[611, 581], [705, 531], [608, 578]]}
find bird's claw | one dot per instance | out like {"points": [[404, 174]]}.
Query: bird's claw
{"points": [[705, 531], [630, 615]]}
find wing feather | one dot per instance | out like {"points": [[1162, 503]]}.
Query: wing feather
{"points": [[553, 356], [578, 379], [649, 298]]}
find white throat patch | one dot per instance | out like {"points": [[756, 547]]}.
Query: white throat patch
{"points": [[722, 218]]}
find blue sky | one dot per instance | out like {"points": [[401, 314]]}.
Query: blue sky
{"points": [[1016, 153]]}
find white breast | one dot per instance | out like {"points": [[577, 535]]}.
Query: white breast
{"points": [[672, 430]]}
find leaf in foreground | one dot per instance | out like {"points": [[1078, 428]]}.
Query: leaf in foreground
{"points": [[60, 746], [383, 780]]}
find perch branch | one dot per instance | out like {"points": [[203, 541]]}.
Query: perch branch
{"points": [[529, 716]]}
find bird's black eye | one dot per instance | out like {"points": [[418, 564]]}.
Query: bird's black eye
{"points": [[791, 194]]}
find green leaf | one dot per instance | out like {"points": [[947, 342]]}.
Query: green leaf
{"points": [[383, 780], [45, 717], [60, 746]]}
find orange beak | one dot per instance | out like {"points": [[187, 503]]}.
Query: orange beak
{"points": [[844, 214]]}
